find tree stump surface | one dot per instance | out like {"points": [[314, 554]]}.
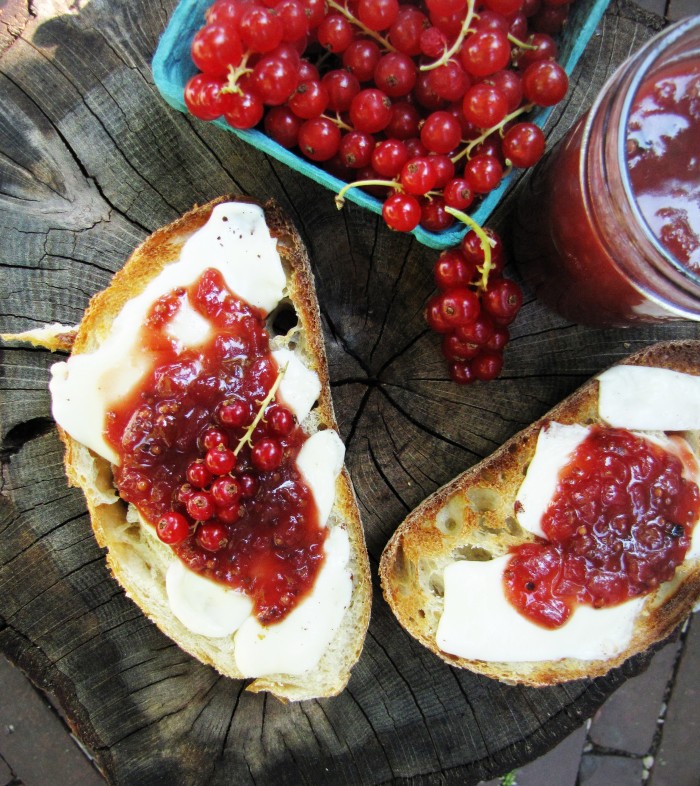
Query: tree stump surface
{"points": [[91, 161]]}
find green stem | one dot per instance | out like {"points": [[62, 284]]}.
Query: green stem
{"points": [[340, 196], [520, 44], [341, 9], [448, 53], [246, 438], [488, 266], [474, 142], [235, 73]]}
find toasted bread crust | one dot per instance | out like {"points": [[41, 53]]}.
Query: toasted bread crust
{"points": [[483, 498], [138, 562]]}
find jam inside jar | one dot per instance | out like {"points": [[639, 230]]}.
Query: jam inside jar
{"points": [[264, 532], [619, 524], [607, 228]]}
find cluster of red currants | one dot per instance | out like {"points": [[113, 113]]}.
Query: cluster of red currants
{"points": [[219, 482], [474, 306], [420, 101]]}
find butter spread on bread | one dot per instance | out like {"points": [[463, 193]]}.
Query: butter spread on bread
{"points": [[262, 261], [443, 571]]}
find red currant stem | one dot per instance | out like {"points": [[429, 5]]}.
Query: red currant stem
{"points": [[246, 438], [488, 266], [474, 142], [340, 196], [371, 33], [235, 73], [520, 44], [447, 54], [339, 122]]}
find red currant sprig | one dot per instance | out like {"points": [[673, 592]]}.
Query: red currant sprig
{"points": [[474, 305]]}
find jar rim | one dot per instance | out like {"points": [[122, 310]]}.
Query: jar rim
{"points": [[653, 50]]}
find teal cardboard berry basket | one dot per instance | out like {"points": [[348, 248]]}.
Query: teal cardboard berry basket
{"points": [[173, 67]]}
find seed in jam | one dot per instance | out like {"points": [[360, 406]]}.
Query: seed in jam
{"points": [[619, 524], [251, 524]]}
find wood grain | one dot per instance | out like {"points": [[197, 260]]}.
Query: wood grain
{"points": [[91, 160]]}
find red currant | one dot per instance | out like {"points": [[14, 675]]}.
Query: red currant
{"points": [[172, 528], [212, 537], [200, 506], [266, 455], [401, 212]]}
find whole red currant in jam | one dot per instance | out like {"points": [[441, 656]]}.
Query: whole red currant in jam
{"points": [[212, 536], [172, 528], [200, 506], [220, 460], [248, 485], [226, 491], [280, 421], [266, 455], [198, 475]]}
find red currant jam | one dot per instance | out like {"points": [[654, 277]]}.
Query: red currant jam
{"points": [[619, 524], [252, 521], [663, 158]]}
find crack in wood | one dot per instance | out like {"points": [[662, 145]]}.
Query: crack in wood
{"points": [[386, 480]]}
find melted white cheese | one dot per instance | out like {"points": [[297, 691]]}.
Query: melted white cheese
{"points": [[649, 399], [297, 643], [300, 385], [479, 623], [236, 241], [555, 445], [203, 606], [320, 461]]}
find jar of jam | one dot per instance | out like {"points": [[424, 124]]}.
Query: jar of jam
{"points": [[607, 230]]}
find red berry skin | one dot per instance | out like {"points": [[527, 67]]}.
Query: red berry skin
{"points": [[280, 421], [483, 173], [441, 132], [226, 491], [388, 157], [203, 97], [172, 528], [310, 99], [200, 506], [418, 176], [401, 212], [184, 493], [433, 216], [282, 125], [461, 373], [213, 438], [233, 413], [378, 14], [470, 246], [502, 300], [355, 149], [212, 537], [395, 74], [260, 30], [452, 270], [484, 105], [220, 460], [341, 87], [486, 52], [478, 332], [434, 316], [266, 455], [370, 111], [198, 475], [523, 144], [459, 306], [454, 349], [229, 515], [249, 486], [497, 341], [545, 83], [215, 48], [458, 194], [319, 139], [487, 365], [245, 110], [444, 169]]}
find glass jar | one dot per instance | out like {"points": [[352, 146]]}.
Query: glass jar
{"points": [[581, 240]]}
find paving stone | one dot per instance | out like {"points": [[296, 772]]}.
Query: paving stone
{"points": [[559, 767], [678, 9], [33, 741], [677, 758], [655, 6], [599, 770], [627, 720]]}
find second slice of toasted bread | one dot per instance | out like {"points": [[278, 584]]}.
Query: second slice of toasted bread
{"points": [[472, 518]]}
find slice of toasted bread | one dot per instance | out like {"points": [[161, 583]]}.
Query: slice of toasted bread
{"points": [[139, 560], [472, 517]]}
